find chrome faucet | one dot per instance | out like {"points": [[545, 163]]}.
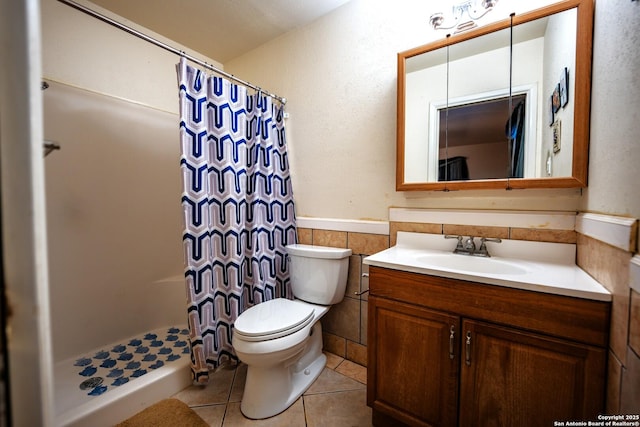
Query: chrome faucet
{"points": [[468, 247]]}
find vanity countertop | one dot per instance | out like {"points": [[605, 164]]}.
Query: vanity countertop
{"points": [[535, 266]]}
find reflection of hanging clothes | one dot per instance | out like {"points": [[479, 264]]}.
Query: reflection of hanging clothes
{"points": [[453, 169], [516, 140]]}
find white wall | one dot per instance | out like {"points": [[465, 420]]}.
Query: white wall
{"points": [[82, 51], [561, 27], [339, 76], [614, 154], [113, 190]]}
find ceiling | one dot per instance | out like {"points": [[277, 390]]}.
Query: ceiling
{"points": [[221, 29]]}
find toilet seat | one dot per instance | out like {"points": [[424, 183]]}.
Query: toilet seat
{"points": [[273, 319]]}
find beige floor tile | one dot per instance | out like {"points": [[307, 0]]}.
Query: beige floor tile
{"points": [[217, 391], [331, 381], [238, 384], [353, 371], [333, 360], [292, 417], [212, 414], [347, 408], [334, 399]]}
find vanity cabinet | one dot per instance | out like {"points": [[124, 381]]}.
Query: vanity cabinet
{"points": [[415, 379], [446, 352]]}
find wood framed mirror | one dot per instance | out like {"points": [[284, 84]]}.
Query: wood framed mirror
{"points": [[533, 70]]}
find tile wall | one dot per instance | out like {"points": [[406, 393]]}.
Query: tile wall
{"points": [[345, 325], [607, 255], [611, 262]]}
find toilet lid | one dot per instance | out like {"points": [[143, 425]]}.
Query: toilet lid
{"points": [[273, 319]]}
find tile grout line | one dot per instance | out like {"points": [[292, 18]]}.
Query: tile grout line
{"points": [[336, 391], [303, 397], [304, 411], [226, 406]]}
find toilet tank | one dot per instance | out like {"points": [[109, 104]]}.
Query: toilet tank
{"points": [[318, 273]]}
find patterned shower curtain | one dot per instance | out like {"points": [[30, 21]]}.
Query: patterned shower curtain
{"points": [[237, 205]]}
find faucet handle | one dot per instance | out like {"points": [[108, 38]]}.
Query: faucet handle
{"points": [[459, 245], [489, 239], [483, 247]]}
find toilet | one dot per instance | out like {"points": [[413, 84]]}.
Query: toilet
{"points": [[280, 340]]}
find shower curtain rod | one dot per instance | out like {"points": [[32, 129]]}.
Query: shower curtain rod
{"points": [[165, 46]]}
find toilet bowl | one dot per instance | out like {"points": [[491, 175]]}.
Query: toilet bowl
{"points": [[280, 340]]}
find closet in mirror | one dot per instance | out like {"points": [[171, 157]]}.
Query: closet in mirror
{"points": [[501, 106]]}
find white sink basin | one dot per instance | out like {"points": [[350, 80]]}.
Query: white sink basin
{"points": [[471, 264], [535, 266]]}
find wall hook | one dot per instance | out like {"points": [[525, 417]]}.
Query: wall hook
{"points": [[50, 147]]}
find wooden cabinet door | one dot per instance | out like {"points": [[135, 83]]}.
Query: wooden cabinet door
{"points": [[512, 378], [413, 363]]}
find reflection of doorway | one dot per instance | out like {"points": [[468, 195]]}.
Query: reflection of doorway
{"points": [[473, 139], [530, 135]]}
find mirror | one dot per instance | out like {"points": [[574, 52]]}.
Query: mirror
{"points": [[499, 106]]}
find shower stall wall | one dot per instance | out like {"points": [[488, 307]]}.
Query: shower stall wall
{"points": [[114, 226]]}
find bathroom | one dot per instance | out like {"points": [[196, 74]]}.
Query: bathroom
{"points": [[339, 76]]}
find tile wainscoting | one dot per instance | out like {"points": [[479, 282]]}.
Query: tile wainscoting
{"points": [[345, 325], [606, 246]]}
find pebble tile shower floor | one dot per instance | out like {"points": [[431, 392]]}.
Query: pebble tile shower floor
{"points": [[83, 378]]}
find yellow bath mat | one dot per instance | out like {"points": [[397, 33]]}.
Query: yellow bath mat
{"points": [[169, 413]]}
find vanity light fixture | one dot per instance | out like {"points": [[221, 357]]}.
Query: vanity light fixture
{"points": [[463, 15]]}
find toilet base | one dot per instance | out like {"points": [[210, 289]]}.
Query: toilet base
{"points": [[270, 391]]}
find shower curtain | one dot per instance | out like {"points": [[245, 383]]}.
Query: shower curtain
{"points": [[238, 209]]}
